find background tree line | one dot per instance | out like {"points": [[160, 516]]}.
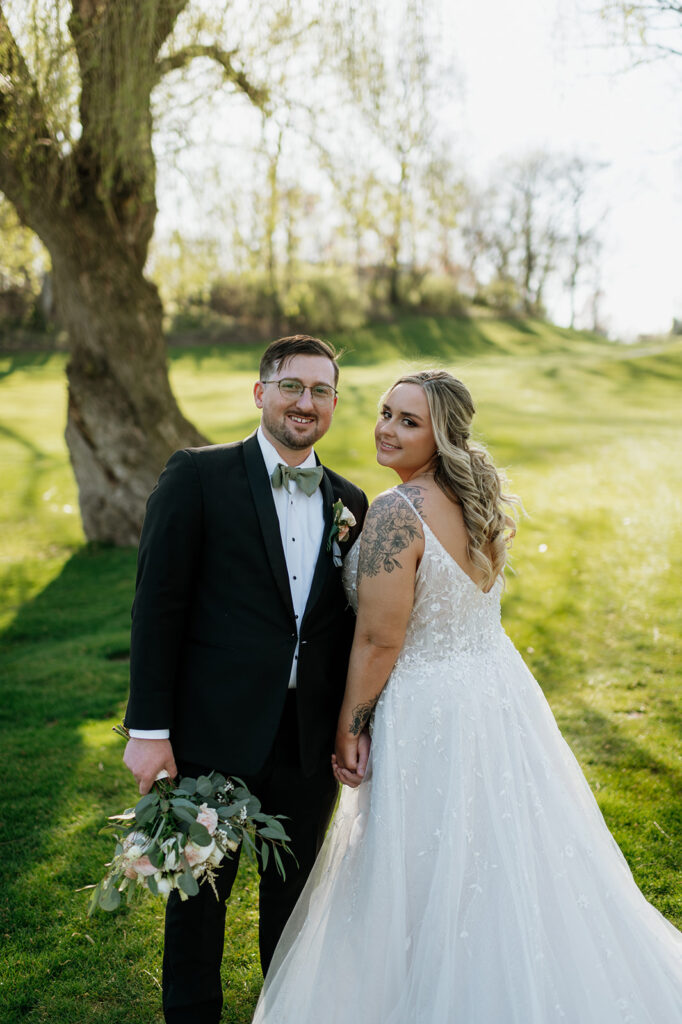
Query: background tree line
{"points": [[279, 256]]}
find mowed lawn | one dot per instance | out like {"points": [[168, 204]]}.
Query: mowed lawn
{"points": [[590, 435]]}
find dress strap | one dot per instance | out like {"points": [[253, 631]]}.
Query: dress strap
{"points": [[405, 498]]}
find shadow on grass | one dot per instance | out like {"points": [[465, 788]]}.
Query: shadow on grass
{"points": [[239, 358], [64, 684], [56, 678], [20, 360]]}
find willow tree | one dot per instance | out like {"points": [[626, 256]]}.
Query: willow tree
{"points": [[652, 29], [87, 189]]}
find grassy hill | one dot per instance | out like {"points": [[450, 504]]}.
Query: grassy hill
{"points": [[589, 432]]}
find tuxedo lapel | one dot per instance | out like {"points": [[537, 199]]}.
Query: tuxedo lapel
{"points": [[324, 559], [261, 491]]}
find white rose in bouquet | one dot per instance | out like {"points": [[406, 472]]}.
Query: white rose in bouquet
{"points": [[198, 854]]}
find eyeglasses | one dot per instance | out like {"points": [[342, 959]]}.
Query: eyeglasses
{"points": [[294, 389]]}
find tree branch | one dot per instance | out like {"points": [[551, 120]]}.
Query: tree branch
{"points": [[30, 162], [259, 95]]}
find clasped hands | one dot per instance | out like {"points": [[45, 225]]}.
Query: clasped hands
{"points": [[349, 760]]}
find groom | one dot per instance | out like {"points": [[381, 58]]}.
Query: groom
{"points": [[239, 647]]}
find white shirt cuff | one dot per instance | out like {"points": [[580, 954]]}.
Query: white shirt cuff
{"points": [[149, 734]]}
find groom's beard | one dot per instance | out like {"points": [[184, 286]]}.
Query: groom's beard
{"points": [[287, 435]]}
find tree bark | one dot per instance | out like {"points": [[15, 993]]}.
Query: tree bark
{"points": [[93, 205], [123, 421]]}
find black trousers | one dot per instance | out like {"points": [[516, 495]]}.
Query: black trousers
{"points": [[195, 928]]}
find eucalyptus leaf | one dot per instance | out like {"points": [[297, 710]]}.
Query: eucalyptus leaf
{"points": [[109, 897], [231, 809], [204, 787], [93, 902], [188, 785], [146, 815], [155, 854], [188, 883], [199, 834], [269, 833], [184, 814], [179, 801], [278, 862], [264, 855], [148, 800], [252, 805], [151, 884]]}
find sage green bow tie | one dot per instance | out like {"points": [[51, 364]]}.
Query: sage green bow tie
{"points": [[307, 479]]}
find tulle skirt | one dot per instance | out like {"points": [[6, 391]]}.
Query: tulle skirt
{"points": [[471, 879]]}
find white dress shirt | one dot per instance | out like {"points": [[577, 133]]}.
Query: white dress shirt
{"points": [[301, 525]]}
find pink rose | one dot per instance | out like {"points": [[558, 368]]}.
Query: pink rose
{"points": [[143, 866], [208, 817], [197, 854], [344, 530]]}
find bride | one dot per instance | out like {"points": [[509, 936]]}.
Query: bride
{"points": [[470, 878]]}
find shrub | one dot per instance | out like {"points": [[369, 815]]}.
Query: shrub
{"points": [[500, 294], [319, 300], [432, 293], [324, 300]]}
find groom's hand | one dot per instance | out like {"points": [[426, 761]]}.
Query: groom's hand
{"points": [[146, 758]]}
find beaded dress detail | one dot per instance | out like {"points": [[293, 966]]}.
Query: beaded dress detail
{"points": [[471, 878]]}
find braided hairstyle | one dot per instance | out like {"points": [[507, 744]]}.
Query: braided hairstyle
{"points": [[464, 471]]}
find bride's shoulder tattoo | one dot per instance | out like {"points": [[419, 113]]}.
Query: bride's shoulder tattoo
{"points": [[389, 528], [414, 494]]}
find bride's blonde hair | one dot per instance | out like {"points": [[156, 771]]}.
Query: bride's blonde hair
{"points": [[464, 471]]}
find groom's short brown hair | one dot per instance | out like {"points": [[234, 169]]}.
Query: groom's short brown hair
{"points": [[280, 351]]}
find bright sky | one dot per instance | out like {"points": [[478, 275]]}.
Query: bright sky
{"points": [[535, 75]]}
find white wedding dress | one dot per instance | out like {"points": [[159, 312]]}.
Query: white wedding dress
{"points": [[471, 878]]}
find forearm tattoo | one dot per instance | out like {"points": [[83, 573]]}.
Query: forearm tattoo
{"points": [[389, 528], [361, 715]]}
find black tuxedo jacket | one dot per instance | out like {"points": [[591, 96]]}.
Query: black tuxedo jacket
{"points": [[213, 626]]}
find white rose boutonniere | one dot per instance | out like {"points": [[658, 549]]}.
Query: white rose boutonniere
{"points": [[342, 523]]}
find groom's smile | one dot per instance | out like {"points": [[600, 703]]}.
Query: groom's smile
{"points": [[294, 423]]}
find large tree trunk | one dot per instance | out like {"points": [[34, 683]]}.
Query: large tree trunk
{"points": [[92, 204], [123, 420]]}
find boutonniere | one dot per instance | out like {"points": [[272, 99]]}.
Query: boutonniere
{"points": [[342, 523]]}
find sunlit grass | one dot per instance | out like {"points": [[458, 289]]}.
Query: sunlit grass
{"points": [[590, 435]]}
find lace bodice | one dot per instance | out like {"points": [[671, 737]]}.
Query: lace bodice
{"points": [[450, 615]]}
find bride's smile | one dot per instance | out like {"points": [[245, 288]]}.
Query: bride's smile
{"points": [[403, 434]]}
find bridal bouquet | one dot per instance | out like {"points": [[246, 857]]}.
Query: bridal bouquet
{"points": [[176, 836]]}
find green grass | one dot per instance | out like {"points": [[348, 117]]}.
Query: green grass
{"points": [[589, 432]]}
